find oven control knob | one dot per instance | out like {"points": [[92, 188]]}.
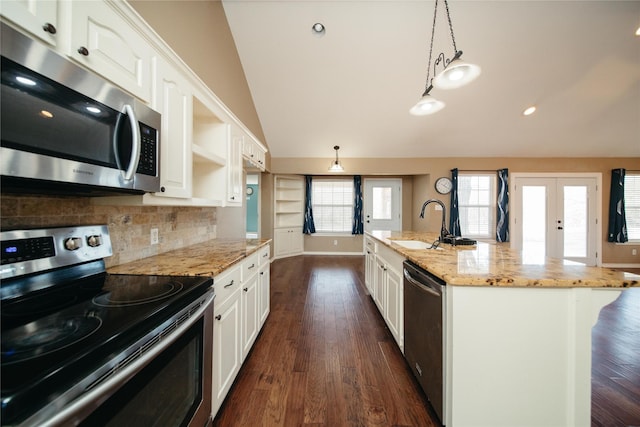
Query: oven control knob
{"points": [[94, 241], [73, 243]]}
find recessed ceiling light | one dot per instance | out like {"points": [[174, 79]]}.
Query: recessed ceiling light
{"points": [[318, 29], [638, 32], [529, 111]]}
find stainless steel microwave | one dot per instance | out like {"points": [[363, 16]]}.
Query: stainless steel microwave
{"points": [[67, 129]]}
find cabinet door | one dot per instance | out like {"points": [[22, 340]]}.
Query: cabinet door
{"points": [[234, 175], [227, 348], [38, 17], [394, 303], [174, 100], [249, 314], [296, 240], [104, 42], [265, 293], [370, 266], [379, 296], [281, 242]]}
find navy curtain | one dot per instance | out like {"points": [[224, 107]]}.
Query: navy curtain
{"points": [[308, 227], [502, 222], [357, 226], [454, 214], [617, 220]]}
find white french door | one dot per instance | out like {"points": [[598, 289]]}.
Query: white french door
{"points": [[556, 217], [381, 203]]}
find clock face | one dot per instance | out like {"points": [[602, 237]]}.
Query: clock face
{"points": [[443, 185]]}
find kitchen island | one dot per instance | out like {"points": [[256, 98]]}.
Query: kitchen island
{"points": [[517, 335]]}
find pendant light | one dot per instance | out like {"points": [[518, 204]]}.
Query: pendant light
{"points": [[336, 166], [456, 72]]}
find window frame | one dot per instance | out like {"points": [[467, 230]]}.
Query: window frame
{"points": [[318, 225], [491, 207], [635, 207]]}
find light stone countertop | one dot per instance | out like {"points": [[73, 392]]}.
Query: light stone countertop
{"points": [[496, 264], [203, 259]]}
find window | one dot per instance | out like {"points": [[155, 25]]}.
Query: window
{"points": [[477, 204], [632, 205], [332, 203]]}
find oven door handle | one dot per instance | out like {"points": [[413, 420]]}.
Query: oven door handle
{"points": [[83, 406]]}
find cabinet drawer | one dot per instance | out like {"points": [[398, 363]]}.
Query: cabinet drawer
{"points": [[249, 266], [264, 254], [226, 284], [370, 245]]}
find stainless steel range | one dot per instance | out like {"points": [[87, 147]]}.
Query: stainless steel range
{"points": [[81, 346]]}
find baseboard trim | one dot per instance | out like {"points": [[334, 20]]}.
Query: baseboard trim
{"points": [[335, 253], [615, 265]]}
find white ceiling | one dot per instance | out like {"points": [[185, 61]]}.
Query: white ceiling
{"points": [[578, 61]]}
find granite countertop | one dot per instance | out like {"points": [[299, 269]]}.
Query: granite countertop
{"points": [[496, 264], [203, 259]]}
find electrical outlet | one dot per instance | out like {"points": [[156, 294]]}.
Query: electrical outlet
{"points": [[155, 238], [634, 252], [335, 243]]}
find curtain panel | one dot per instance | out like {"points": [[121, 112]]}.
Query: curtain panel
{"points": [[357, 226], [309, 226], [454, 212], [617, 219], [502, 217]]}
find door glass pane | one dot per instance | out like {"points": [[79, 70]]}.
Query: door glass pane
{"points": [[534, 219], [381, 203], [575, 221]]}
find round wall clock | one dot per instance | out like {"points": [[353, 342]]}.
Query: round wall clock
{"points": [[249, 191], [443, 185]]}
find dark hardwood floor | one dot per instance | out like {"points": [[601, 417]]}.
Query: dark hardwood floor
{"points": [[326, 358]]}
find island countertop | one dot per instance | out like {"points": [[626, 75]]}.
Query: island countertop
{"points": [[496, 264], [208, 258]]}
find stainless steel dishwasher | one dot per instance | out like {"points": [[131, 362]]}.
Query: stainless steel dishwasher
{"points": [[424, 327]]}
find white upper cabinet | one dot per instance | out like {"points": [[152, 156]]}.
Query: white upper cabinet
{"points": [[104, 42], [38, 17], [174, 100]]}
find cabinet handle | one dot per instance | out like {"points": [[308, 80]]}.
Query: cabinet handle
{"points": [[230, 284], [83, 51], [218, 317], [49, 28], [162, 189], [262, 273], [251, 266], [246, 289]]}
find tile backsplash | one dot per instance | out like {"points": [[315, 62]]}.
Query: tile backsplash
{"points": [[129, 226]]}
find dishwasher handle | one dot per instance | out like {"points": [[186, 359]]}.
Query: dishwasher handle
{"points": [[428, 287]]}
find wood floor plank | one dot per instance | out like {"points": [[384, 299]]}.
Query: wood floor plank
{"points": [[325, 357]]}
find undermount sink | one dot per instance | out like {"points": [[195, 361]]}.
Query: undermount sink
{"points": [[414, 244]]}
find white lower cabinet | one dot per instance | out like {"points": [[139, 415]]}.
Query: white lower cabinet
{"points": [[249, 314], [383, 277], [264, 285], [227, 334], [240, 309], [288, 241]]}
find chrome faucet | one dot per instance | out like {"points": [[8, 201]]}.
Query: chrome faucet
{"points": [[443, 229]]}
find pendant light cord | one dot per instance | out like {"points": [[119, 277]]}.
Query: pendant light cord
{"points": [[427, 87], [453, 39]]}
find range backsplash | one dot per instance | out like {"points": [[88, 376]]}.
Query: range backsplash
{"points": [[129, 226]]}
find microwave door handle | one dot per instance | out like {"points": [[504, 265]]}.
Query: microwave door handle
{"points": [[135, 143]]}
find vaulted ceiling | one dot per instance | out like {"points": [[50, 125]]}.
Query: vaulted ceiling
{"points": [[577, 61]]}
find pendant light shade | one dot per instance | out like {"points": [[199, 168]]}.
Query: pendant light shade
{"points": [[336, 166], [426, 105], [458, 73]]}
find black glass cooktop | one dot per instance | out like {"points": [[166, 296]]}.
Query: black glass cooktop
{"points": [[53, 338]]}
